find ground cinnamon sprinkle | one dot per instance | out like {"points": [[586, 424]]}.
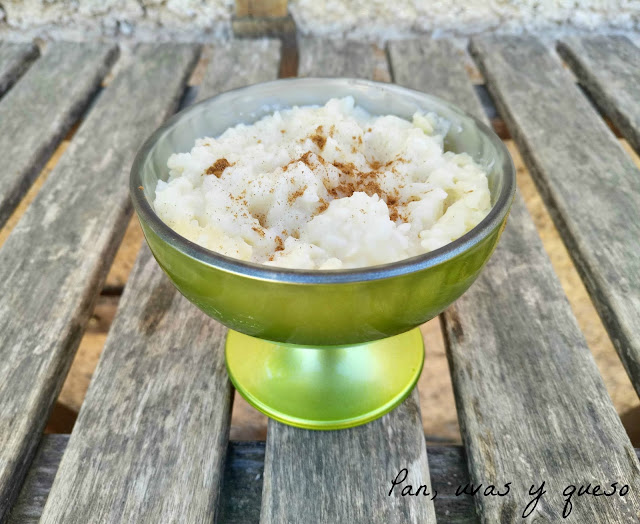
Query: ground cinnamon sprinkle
{"points": [[297, 194], [218, 167], [288, 219], [305, 159], [279, 244], [348, 169], [262, 220], [323, 206], [319, 140]]}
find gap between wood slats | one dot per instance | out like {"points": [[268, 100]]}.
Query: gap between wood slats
{"points": [[15, 60]]}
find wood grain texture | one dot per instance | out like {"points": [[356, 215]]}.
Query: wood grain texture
{"points": [[345, 476], [335, 58], [151, 437], [435, 67], [37, 113], [531, 403], [609, 67], [15, 59], [240, 62], [155, 423], [335, 477], [589, 183], [241, 491], [54, 262], [242, 486]]}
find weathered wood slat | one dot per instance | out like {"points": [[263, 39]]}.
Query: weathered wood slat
{"points": [[42, 107], [336, 58], [435, 67], [15, 59], [155, 423], [589, 183], [55, 260], [609, 67], [522, 359], [150, 440], [531, 404], [240, 62], [345, 476], [242, 486]]}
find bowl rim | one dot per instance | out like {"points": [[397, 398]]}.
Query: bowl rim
{"points": [[253, 270]]}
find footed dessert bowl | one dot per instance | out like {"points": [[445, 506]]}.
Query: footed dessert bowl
{"points": [[321, 349]]}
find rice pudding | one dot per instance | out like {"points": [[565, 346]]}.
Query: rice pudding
{"points": [[326, 187]]}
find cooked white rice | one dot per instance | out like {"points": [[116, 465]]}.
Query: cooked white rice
{"points": [[324, 188]]}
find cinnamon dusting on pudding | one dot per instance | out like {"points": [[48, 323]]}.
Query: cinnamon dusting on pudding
{"points": [[297, 194], [218, 167], [318, 138], [377, 192], [279, 244]]}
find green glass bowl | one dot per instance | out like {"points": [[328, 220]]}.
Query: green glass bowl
{"points": [[321, 349]]}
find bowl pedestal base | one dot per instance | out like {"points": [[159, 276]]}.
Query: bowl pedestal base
{"points": [[328, 387]]}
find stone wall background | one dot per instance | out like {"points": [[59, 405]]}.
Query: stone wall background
{"points": [[198, 20]]}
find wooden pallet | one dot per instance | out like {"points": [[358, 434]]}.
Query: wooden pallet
{"points": [[151, 441]]}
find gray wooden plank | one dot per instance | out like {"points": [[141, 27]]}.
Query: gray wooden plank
{"points": [[589, 183], [609, 67], [344, 476], [240, 62], [242, 486], [155, 422], [245, 465], [15, 59], [150, 440], [241, 492], [329, 477], [435, 67], [37, 113], [53, 263], [335, 58], [531, 403], [512, 342]]}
